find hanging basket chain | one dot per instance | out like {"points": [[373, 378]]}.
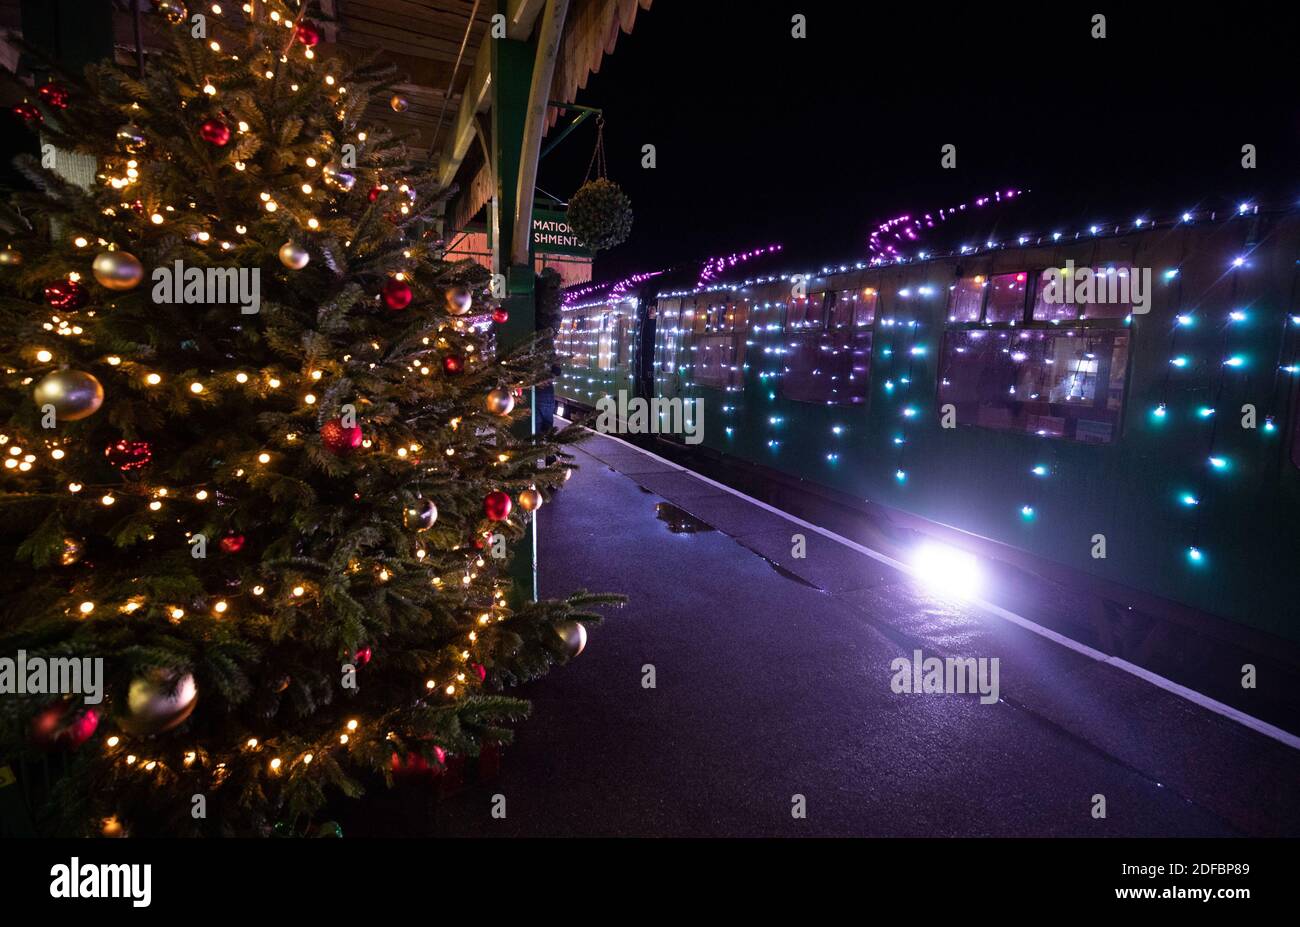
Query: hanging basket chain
{"points": [[598, 153]]}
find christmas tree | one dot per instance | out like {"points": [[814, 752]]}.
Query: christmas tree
{"points": [[262, 456]]}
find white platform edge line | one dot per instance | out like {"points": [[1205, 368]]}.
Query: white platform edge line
{"points": [[1155, 679]]}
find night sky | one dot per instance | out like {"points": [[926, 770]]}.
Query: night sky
{"points": [[762, 138]]}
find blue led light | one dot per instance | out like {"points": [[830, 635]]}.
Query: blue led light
{"points": [[1204, 411], [900, 475], [1219, 463], [1188, 499], [1195, 556], [1040, 470], [1027, 512], [1179, 361], [1160, 411]]}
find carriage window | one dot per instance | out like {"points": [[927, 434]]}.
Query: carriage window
{"points": [[828, 367], [577, 332], [1007, 298], [717, 361], [806, 312], [864, 307], [1063, 384], [852, 309], [966, 298], [1083, 293]]}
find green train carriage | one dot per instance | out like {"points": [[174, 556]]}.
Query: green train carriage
{"points": [[1169, 436]]}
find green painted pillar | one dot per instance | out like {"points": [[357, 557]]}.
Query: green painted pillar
{"points": [[512, 74]]}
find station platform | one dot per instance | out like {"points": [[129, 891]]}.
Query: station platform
{"points": [[773, 680]]}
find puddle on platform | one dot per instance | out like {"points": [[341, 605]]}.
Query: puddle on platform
{"points": [[679, 521]]}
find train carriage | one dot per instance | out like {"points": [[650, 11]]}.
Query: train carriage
{"points": [[1147, 440]]}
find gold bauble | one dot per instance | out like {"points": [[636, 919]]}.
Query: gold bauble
{"points": [[530, 500], [399, 103], [10, 258], [294, 256], [74, 394], [574, 635], [117, 270], [71, 551], [500, 402]]}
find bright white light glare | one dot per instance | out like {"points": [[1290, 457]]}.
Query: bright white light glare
{"points": [[946, 570]]}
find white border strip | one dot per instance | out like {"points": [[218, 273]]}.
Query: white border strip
{"points": [[1191, 695]]}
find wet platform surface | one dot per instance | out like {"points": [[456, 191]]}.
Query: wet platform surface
{"points": [[773, 680]]}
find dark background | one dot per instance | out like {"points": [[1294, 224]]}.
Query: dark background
{"points": [[812, 143]]}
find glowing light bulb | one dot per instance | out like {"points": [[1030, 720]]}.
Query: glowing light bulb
{"points": [[86, 607]]}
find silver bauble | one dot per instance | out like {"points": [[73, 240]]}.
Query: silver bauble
{"points": [[117, 270], [74, 394], [157, 702], [174, 11], [340, 179], [459, 300], [420, 515], [574, 635], [131, 136]]}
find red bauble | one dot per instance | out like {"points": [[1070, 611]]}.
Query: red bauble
{"points": [[307, 34], [28, 113], [453, 364], [414, 763], [397, 295], [374, 193], [129, 455], [338, 439], [499, 316], [232, 543], [66, 294], [51, 726], [55, 95], [497, 505], [363, 656], [214, 131], [479, 670]]}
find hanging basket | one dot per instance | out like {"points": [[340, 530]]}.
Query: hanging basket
{"points": [[600, 214]]}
